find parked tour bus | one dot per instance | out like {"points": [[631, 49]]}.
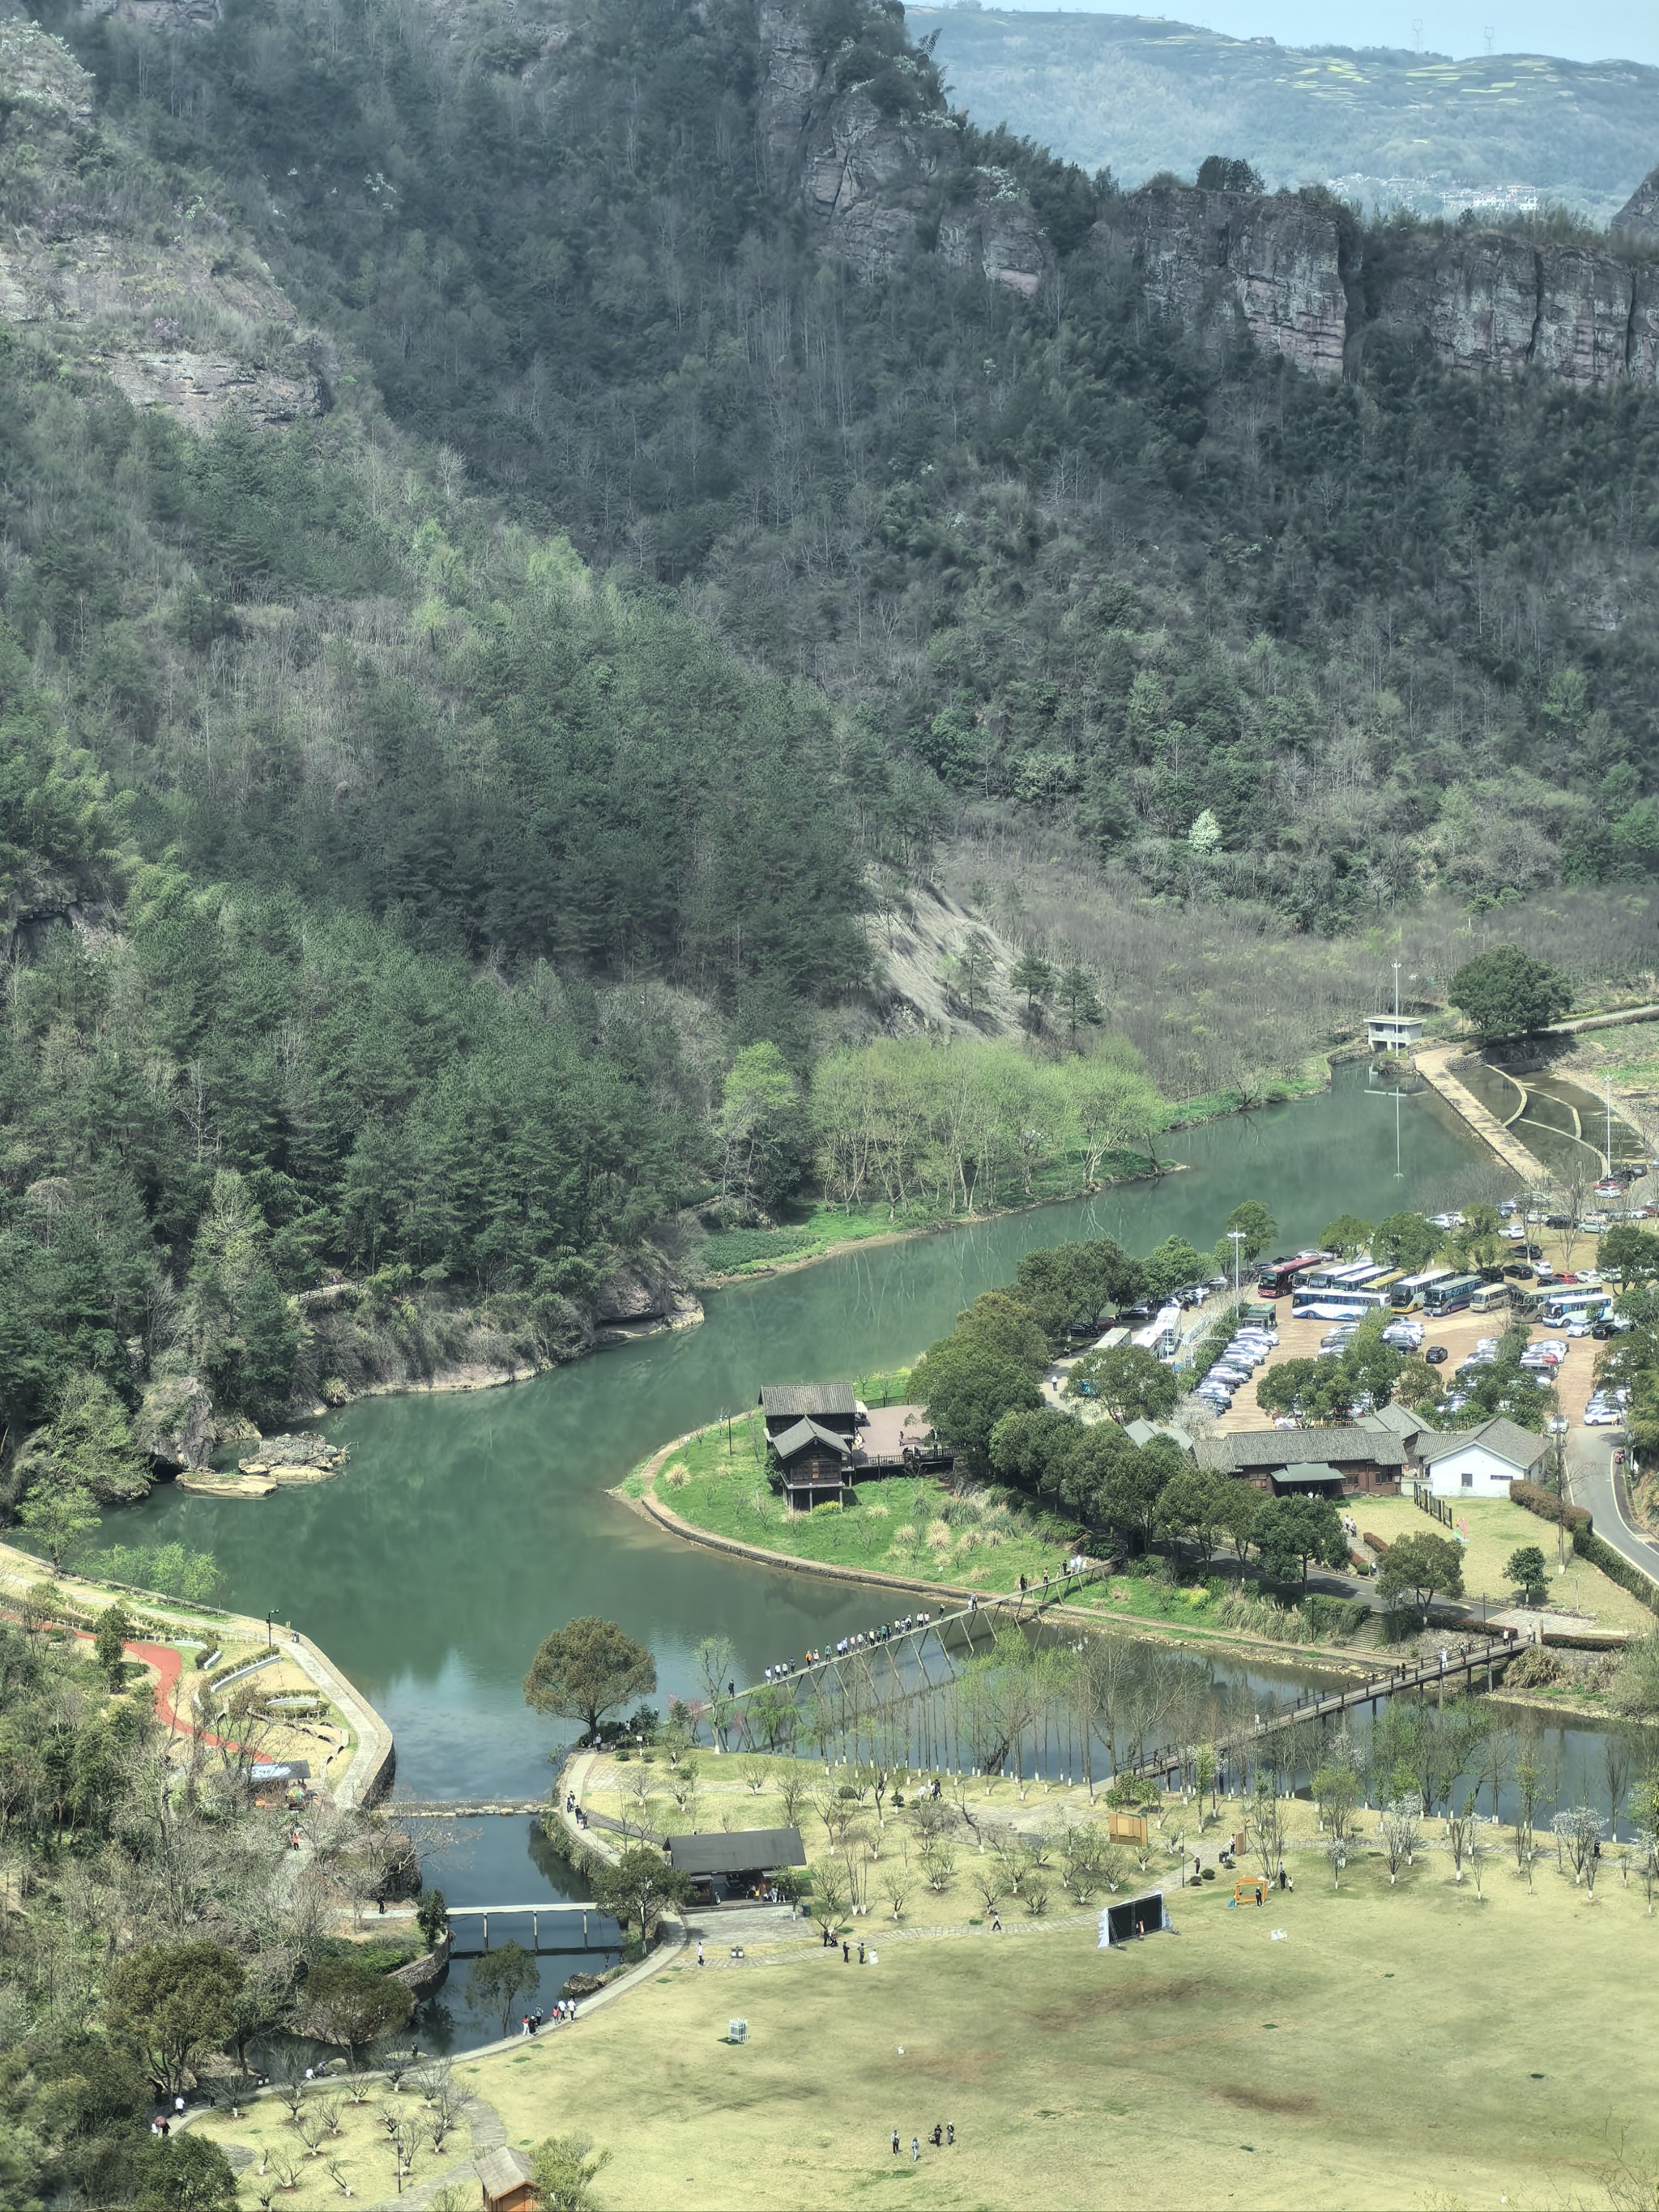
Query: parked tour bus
{"points": [[1275, 1277], [1452, 1295], [1335, 1303], [1407, 1294], [1491, 1297], [1345, 1275], [1563, 1305]]}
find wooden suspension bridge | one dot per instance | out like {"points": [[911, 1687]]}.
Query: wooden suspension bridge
{"points": [[877, 1671], [1450, 1667]]}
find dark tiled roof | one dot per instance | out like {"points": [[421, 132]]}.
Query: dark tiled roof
{"points": [[737, 1850], [1504, 1439], [796, 1398], [790, 1441], [1397, 1419], [1250, 1448]]}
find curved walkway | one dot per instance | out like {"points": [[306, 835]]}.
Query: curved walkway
{"points": [[1595, 1483], [1433, 1064]]}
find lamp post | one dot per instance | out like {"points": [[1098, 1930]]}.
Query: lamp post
{"points": [[1558, 1431], [269, 1617], [1236, 1236]]}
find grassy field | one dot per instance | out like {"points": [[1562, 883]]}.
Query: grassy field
{"points": [[1415, 2046], [1495, 1527], [822, 1226], [913, 1526], [354, 2160], [907, 1526]]}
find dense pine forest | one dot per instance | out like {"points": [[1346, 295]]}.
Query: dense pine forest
{"points": [[1067, 563], [458, 823]]}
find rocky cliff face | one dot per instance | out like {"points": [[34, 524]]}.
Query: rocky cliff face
{"points": [[161, 299], [1210, 259], [1640, 212], [877, 186], [1288, 272]]}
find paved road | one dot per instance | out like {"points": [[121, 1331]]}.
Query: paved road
{"points": [[1589, 1477]]}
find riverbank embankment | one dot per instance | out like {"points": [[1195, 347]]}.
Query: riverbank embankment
{"points": [[1434, 1065], [371, 1758]]}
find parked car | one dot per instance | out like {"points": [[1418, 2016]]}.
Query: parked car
{"points": [[1578, 1327], [1603, 1417], [1437, 1355], [1447, 1220], [1601, 1331]]}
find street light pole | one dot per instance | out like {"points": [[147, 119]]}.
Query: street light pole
{"points": [[1236, 1237], [1559, 1430], [269, 1617]]}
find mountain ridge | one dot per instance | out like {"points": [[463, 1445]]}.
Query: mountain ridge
{"points": [[1141, 95]]}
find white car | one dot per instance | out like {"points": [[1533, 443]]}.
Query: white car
{"points": [[1578, 1328], [1603, 1417], [1447, 1220]]}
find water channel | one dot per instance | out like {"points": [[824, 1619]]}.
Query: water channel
{"points": [[467, 1526]]}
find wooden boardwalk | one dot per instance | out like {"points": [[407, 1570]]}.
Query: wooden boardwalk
{"points": [[885, 1669], [1458, 1667]]}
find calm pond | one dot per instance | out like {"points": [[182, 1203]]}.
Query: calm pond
{"points": [[467, 1526]]}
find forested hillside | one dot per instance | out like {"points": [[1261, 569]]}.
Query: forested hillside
{"points": [[1321, 647], [1138, 93], [500, 612]]}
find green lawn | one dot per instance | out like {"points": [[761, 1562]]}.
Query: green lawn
{"points": [[915, 1527], [822, 1226], [1495, 1527], [905, 1525], [1414, 2046]]}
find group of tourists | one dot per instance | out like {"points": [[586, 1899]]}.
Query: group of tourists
{"points": [[564, 2011], [863, 1641], [944, 2137]]}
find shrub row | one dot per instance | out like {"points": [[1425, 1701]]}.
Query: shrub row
{"points": [[1589, 1546], [1548, 1506], [1376, 1544]]}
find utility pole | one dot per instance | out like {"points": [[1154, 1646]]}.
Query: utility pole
{"points": [[1558, 1427], [1237, 1236]]}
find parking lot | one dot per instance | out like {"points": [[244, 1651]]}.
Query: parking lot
{"points": [[1459, 1333]]}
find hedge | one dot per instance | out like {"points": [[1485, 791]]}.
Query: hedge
{"points": [[1548, 1506], [1590, 1547], [1376, 1544]]}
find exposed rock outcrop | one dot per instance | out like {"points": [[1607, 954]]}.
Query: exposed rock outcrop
{"points": [[294, 1459], [1286, 268], [159, 299], [175, 1422], [1640, 212], [881, 186], [1272, 264], [640, 1297]]}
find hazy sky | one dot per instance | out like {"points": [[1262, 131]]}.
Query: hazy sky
{"points": [[1594, 30]]}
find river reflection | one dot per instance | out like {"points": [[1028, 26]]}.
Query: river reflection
{"points": [[467, 1526]]}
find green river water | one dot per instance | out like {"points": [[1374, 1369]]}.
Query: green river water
{"points": [[467, 1526]]}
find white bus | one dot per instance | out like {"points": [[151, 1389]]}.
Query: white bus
{"points": [[1560, 1306], [1337, 1304], [1407, 1294]]}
